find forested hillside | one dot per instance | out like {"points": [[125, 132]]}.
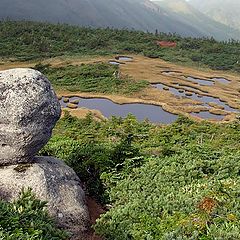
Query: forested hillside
{"points": [[29, 40], [131, 14], [142, 15]]}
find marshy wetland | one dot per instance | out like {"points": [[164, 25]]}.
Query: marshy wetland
{"points": [[148, 88], [108, 108]]}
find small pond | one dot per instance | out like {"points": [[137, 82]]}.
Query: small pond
{"points": [[208, 115], [108, 108], [170, 72], [206, 82], [221, 80], [124, 58], [195, 96], [173, 90], [200, 81], [114, 63], [189, 88]]}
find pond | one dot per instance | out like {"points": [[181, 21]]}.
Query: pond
{"points": [[108, 108], [189, 88], [208, 115], [114, 63], [205, 99], [170, 72], [124, 58], [221, 80], [200, 81], [205, 82]]}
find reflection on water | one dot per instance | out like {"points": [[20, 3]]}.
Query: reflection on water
{"points": [[141, 111]]}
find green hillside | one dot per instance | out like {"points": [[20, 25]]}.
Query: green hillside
{"points": [[155, 182], [178, 181], [142, 15], [131, 14], [28, 40]]}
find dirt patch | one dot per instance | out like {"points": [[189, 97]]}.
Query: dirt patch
{"points": [[95, 210]]}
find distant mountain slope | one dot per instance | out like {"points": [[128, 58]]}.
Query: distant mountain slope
{"points": [[186, 13], [137, 14], [224, 11]]}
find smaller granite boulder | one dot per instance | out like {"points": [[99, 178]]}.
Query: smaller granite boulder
{"points": [[29, 109], [52, 181]]}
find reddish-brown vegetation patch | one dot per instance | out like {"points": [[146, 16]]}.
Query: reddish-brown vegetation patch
{"points": [[166, 44]]}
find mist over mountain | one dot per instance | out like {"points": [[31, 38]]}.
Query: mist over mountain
{"points": [[184, 12], [224, 11], [132, 14]]}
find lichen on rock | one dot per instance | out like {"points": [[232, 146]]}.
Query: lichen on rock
{"points": [[29, 109], [52, 181]]}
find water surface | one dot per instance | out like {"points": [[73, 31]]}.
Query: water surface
{"points": [[221, 80], [200, 81], [208, 115], [170, 72], [142, 111], [204, 99], [124, 58], [114, 63]]}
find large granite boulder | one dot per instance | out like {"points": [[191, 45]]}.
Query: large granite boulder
{"points": [[29, 110], [52, 181]]}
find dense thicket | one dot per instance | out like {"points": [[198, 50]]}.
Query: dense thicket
{"points": [[29, 40], [27, 219], [179, 181]]}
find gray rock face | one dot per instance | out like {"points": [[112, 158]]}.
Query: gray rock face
{"points": [[29, 110], [51, 181]]}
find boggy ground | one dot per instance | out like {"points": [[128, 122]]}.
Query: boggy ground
{"points": [[152, 70]]}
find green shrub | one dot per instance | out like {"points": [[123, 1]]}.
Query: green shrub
{"points": [[82, 145], [180, 197], [163, 182], [32, 40], [97, 77], [27, 219]]}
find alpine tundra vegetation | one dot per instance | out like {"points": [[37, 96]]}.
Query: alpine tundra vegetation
{"points": [[136, 127]]}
